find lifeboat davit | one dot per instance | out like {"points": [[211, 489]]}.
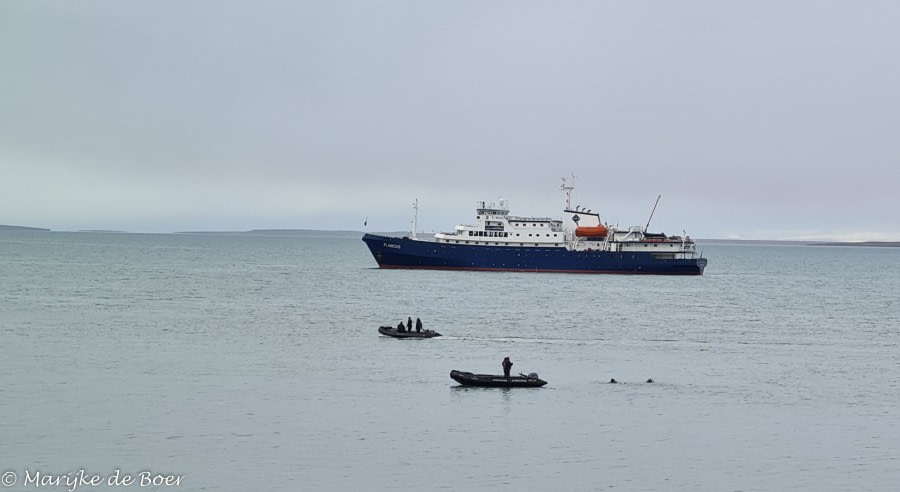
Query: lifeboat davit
{"points": [[595, 231]]}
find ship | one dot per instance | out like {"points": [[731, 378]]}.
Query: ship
{"points": [[579, 242]]}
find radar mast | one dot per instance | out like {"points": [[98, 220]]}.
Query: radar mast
{"points": [[415, 221], [568, 190]]}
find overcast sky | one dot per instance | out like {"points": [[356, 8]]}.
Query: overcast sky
{"points": [[753, 120]]}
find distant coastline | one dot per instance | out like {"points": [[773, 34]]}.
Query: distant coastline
{"points": [[754, 241], [871, 244], [358, 234], [875, 244], [279, 232], [21, 228]]}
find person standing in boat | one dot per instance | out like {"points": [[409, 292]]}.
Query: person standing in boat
{"points": [[507, 365], [409, 324], [418, 325]]}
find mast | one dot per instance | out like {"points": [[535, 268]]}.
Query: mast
{"points": [[570, 238], [568, 189], [651, 213], [415, 221]]}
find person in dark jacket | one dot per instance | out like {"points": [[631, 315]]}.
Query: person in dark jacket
{"points": [[409, 324], [507, 365], [400, 328], [418, 325]]}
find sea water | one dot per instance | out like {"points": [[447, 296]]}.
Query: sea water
{"points": [[253, 363]]}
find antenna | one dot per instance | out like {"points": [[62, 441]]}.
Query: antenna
{"points": [[651, 213], [415, 219], [568, 189]]}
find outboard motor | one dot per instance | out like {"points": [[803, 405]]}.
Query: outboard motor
{"points": [[533, 375]]}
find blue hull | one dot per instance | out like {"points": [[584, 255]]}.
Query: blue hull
{"points": [[394, 252]]}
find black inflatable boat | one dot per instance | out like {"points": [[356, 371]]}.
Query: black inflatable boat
{"points": [[392, 332], [493, 381]]}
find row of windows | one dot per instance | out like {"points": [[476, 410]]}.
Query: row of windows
{"points": [[523, 224], [502, 244], [502, 234]]}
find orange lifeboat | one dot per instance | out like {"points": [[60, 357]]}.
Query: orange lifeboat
{"points": [[596, 231]]}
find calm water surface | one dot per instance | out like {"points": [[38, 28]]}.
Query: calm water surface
{"points": [[253, 363]]}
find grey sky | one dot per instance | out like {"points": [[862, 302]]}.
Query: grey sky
{"points": [[754, 120]]}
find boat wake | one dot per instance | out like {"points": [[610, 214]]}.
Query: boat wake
{"points": [[560, 341]]}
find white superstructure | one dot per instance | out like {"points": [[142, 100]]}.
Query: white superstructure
{"points": [[580, 229]]}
